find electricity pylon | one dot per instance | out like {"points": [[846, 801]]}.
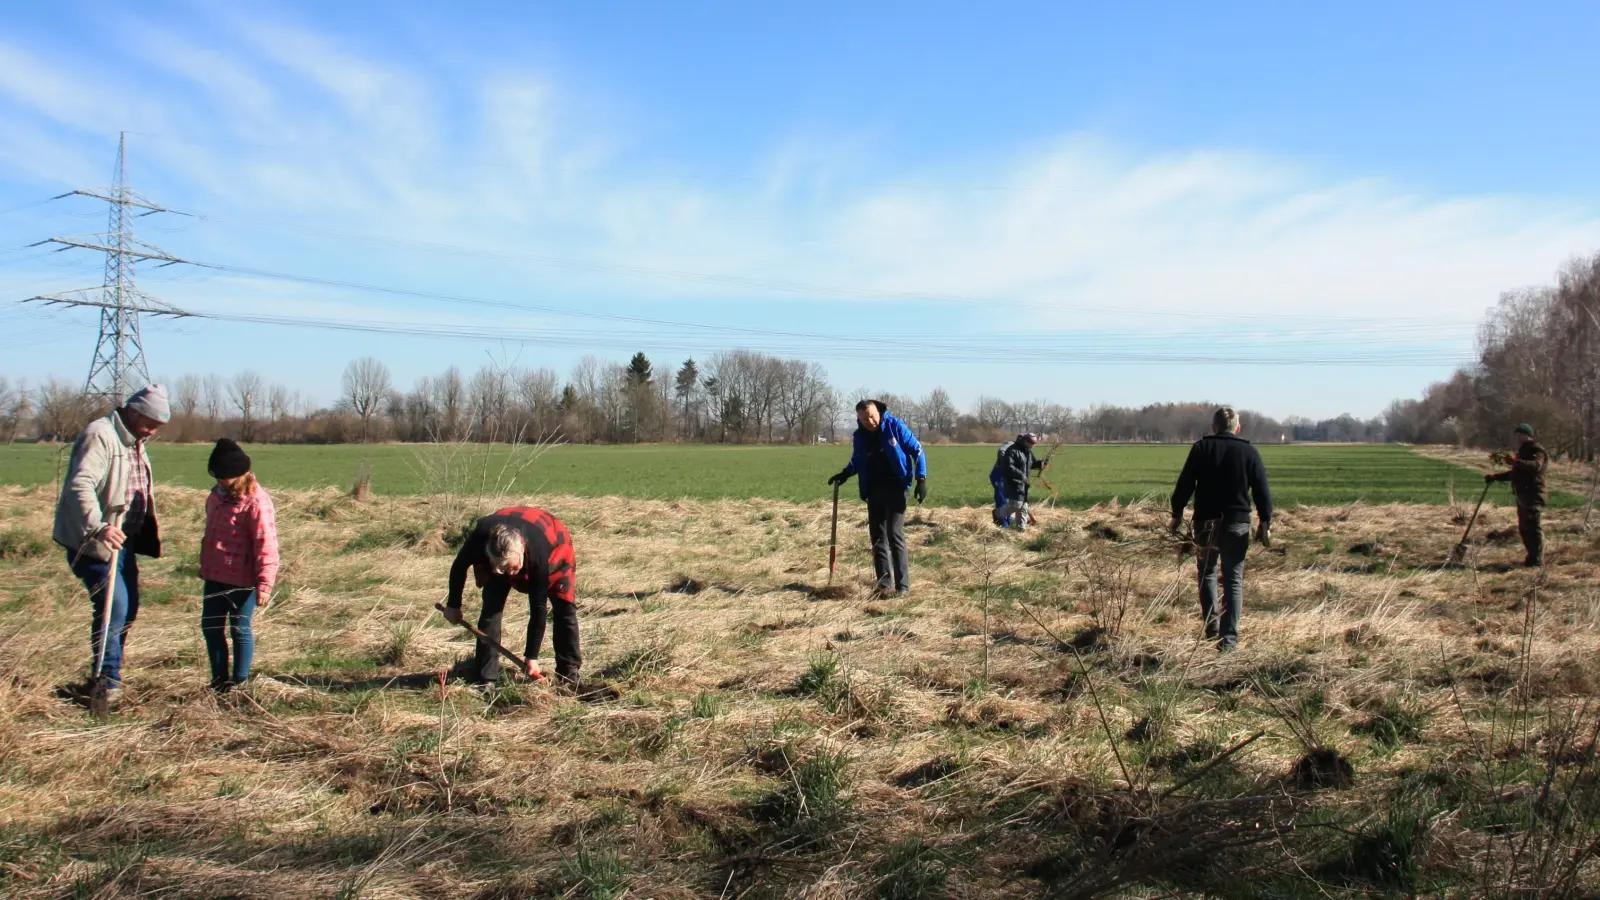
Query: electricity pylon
{"points": [[118, 368]]}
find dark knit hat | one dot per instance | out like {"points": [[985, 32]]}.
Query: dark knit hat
{"points": [[228, 460], [1526, 429]]}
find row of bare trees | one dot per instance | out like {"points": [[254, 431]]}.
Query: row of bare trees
{"points": [[1538, 362], [738, 396]]}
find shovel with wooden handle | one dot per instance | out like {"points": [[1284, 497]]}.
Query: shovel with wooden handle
{"points": [[522, 664], [1460, 552], [100, 686]]}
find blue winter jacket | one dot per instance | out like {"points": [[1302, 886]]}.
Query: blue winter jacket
{"points": [[899, 445]]}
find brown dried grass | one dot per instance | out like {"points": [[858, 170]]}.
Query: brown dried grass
{"points": [[348, 767]]}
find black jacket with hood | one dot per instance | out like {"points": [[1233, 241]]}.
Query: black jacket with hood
{"points": [[1223, 473], [1011, 467]]}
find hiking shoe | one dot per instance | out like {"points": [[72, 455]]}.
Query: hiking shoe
{"points": [[1227, 646]]}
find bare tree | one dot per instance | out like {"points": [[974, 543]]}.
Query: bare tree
{"points": [[992, 412], [214, 392], [938, 413], [489, 398], [279, 407], [246, 390], [186, 401], [366, 388], [539, 391], [449, 394], [64, 409], [18, 411], [9, 405]]}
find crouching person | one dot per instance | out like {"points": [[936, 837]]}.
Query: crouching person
{"points": [[238, 563], [529, 550]]}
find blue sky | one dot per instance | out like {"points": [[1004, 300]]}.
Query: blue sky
{"points": [[1075, 202]]}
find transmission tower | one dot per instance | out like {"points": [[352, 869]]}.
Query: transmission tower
{"points": [[119, 366]]}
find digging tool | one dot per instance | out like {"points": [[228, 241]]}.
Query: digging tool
{"points": [[522, 664], [833, 536], [1460, 552], [100, 687]]}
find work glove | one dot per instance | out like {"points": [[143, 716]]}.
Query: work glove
{"points": [[921, 493], [838, 479], [1175, 525], [1264, 535]]}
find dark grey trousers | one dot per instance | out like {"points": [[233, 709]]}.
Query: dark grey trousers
{"points": [[886, 522], [1530, 524], [1227, 547]]}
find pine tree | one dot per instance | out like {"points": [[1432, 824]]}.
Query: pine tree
{"points": [[688, 378]]}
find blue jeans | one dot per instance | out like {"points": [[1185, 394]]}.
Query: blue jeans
{"points": [[1009, 511], [124, 606], [225, 612], [1227, 546]]}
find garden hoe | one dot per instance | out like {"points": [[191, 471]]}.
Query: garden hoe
{"points": [[522, 664], [100, 687], [833, 536], [1460, 552]]}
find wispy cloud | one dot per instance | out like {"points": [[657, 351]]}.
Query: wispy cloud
{"points": [[278, 121]]}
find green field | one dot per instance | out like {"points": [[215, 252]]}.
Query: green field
{"points": [[1083, 475]]}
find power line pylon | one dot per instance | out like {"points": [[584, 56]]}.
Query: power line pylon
{"points": [[119, 366]]}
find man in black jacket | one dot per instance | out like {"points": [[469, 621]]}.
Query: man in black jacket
{"points": [[1009, 478], [1223, 473]]}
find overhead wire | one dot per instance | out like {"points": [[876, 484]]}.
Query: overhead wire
{"points": [[1029, 347]]}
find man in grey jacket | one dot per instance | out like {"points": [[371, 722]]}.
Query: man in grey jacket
{"points": [[108, 503]]}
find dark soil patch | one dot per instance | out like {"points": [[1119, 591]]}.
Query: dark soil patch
{"points": [[1100, 529], [1322, 768], [936, 769]]}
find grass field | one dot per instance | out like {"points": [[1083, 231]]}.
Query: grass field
{"points": [[1038, 718], [1083, 475]]}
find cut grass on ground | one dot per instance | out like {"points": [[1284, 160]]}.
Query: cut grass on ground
{"points": [[1037, 719]]}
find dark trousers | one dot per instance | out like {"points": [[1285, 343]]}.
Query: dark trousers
{"points": [[1530, 525], [1224, 543], [226, 611], [886, 522], [569, 659], [124, 605]]}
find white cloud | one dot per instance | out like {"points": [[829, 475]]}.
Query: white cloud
{"points": [[297, 126]]}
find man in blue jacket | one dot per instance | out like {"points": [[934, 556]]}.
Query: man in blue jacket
{"points": [[887, 457]]}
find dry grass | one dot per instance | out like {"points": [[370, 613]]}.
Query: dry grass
{"points": [[1390, 724]]}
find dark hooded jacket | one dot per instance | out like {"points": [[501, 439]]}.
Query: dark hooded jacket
{"points": [[1011, 467], [1223, 473]]}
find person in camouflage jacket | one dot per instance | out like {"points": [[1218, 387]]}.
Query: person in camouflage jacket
{"points": [[1527, 477]]}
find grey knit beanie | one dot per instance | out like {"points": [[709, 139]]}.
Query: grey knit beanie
{"points": [[150, 401]]}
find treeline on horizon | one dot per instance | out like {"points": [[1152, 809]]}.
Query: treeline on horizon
{"points": [[735, 397], [1539, 362]]}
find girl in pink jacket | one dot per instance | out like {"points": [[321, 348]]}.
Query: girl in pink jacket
{"points": [[238, 561]]}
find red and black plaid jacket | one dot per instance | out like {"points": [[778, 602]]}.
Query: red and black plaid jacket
{"points": [[548, 564]]}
